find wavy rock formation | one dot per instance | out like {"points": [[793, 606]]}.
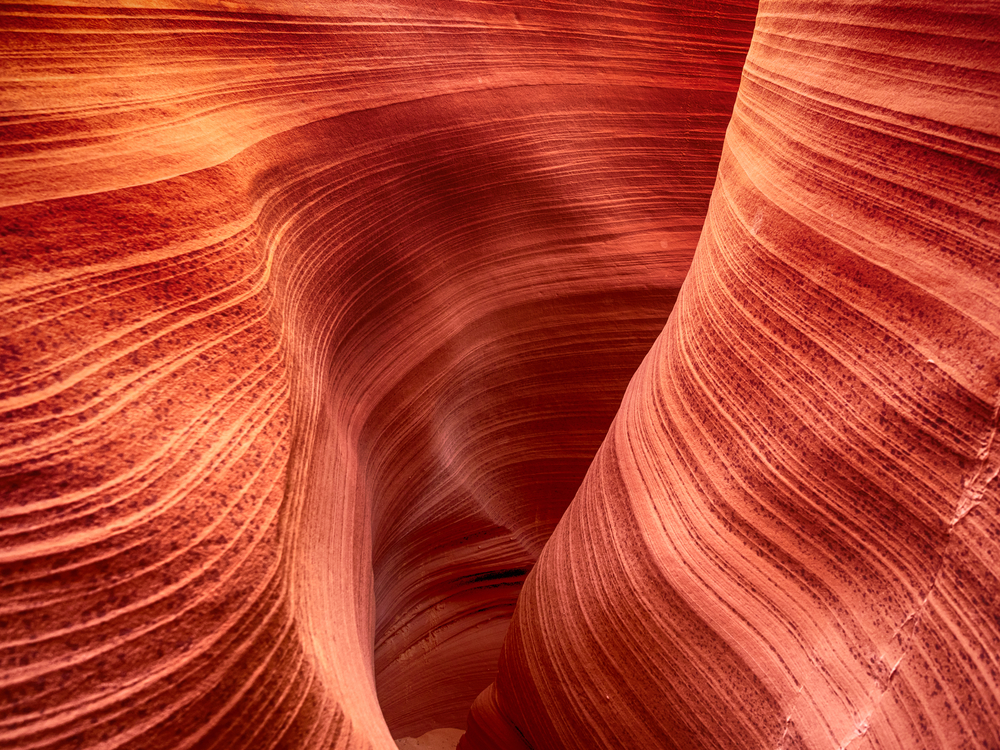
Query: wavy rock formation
{"points": [[790, 537], [313, 317]]}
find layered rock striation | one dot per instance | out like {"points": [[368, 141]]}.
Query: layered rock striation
{"points": [[790, 537], [313, 318]]}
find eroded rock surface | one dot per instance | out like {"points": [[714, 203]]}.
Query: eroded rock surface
{"points": [[313, 318], [791, 536]]}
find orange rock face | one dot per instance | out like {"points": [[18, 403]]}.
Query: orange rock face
{"points": [[314, 317], [790, 537]]}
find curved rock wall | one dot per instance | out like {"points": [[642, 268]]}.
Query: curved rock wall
{"points": [[789, 537], [313, 318]]}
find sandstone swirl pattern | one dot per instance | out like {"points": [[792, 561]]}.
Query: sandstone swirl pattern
{"points": [[313, 317], [791, 536]]}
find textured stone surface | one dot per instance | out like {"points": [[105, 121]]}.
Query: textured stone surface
{"points": [[436, 739], [789, 538], [313, 317]]}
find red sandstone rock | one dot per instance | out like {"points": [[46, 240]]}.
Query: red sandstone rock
{"points": [[791, 535], [313, 317], [436, 739]]}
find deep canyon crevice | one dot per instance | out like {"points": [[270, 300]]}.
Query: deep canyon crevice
{"points": [[615, 369]]}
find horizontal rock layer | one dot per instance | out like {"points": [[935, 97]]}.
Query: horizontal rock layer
{"points": [[313, 318], [790, 537]]}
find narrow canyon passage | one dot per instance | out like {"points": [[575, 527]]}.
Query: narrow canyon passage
{"points": [[333, 332], [471, 335], [318, 320]]}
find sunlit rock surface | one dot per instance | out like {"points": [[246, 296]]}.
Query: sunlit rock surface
{"points": [[791, 536], [313, 317], [436, 739]]}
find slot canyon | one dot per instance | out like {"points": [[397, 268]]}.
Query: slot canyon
{"points": [[523, 375]]}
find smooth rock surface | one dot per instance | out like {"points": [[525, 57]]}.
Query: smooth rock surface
{"points": [[790, 537]]}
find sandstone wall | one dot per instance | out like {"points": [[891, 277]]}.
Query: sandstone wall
{"points": [[314, 315], [790, 537]]}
